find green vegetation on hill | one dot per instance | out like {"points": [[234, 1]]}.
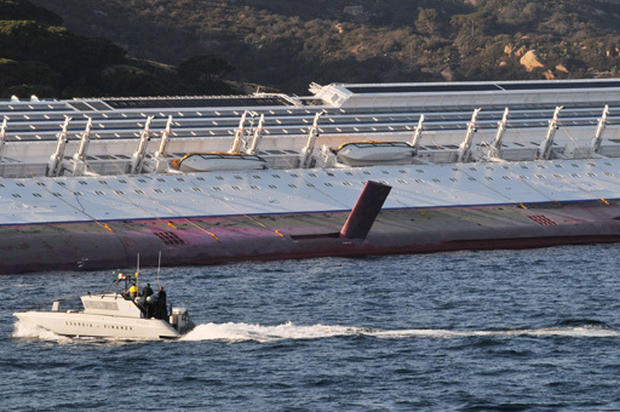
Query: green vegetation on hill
{"points": [[38, 56], [289, 43]]}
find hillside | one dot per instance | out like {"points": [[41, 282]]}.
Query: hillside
{"points": [[39, 56], [289, 43]]}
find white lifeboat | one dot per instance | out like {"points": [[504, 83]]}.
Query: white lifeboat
{"points": [[367, 153], [207, 162]]}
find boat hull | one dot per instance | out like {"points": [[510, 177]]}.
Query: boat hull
{"points": [[208, 240], [87, 325]]}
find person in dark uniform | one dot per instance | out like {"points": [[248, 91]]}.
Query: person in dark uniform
{"points": [[147, 291], [161, 310]]}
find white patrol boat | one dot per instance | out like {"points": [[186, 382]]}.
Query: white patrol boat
{"points": [[113, 315]]}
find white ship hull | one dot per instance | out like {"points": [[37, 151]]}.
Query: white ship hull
{"points": [[89, 325], [462, 188]]}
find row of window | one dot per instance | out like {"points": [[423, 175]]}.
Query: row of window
{"points": [[308, 184]]}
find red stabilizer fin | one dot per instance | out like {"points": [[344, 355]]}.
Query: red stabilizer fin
{"points": [[365, 211]]}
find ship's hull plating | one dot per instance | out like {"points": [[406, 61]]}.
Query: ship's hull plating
{"points": [[87, 325], [210, 240]]}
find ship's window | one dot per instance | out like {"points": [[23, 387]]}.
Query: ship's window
{"points": [[196, 189], [328, 184], [608, 174], [219, 178], [385, 172], [216, 188], [236, 187], [557, 175], [16, 195], [473, 179], [56, 194], [311, 174], [574, 164], [505, 177], [273, 186], [276, 176], [346, 183], [309, 185], [348, 173], [202, 179], [455, 169], [473, 169], [119, 192], [238, 177], [591, 174], [159, 179], [488, 178], [176, 189], [506, 167], [256, 176], [180, 179], [36, 195], [540, 166], [523, 167], [607, 163], [138, 191], [419, 170], [99, 193], [103, 182], [254, 187], [329, 173], [540, 176], [84, 182], [292, 185], [402, 171], [77, 193], [22, 185], [575, 175], [489, 168], [158, 191], [366, 172], [402, 181], [119, 181], [523, 177], [38, 183], [293, 175], [454, 179], [58, 183], [435, 180], [1, 185], [141, 180], [419, 181], [559, 166]]}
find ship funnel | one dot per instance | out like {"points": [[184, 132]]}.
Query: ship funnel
{"points": [[365, 211]]}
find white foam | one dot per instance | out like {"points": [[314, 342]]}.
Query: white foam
{"points": [[27, 330], [237, 332]]}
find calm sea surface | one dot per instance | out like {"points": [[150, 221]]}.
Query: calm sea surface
{"points": [[501, 330]]}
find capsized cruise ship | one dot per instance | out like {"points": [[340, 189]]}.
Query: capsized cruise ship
{"points": [[90, 183]]}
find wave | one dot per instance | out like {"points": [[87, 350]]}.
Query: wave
{"points": [[238, 332], [27, 330]]}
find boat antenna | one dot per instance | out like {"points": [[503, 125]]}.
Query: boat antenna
{"points": [[138, 272], [158, 268]]}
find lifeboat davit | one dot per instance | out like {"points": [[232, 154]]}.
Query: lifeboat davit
{"points": [[208, 162], [374, 152]]}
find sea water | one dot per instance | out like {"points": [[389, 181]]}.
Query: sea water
{"points": [[500, 330]]}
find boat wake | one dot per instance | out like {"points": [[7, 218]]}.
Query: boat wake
{"points": [[238, 332]]}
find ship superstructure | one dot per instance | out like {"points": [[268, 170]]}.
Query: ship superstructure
{"points": [[91, 182]]}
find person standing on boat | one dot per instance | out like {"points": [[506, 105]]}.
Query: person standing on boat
{"points": [[161, 311], [147, 291], [133, 290]]}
